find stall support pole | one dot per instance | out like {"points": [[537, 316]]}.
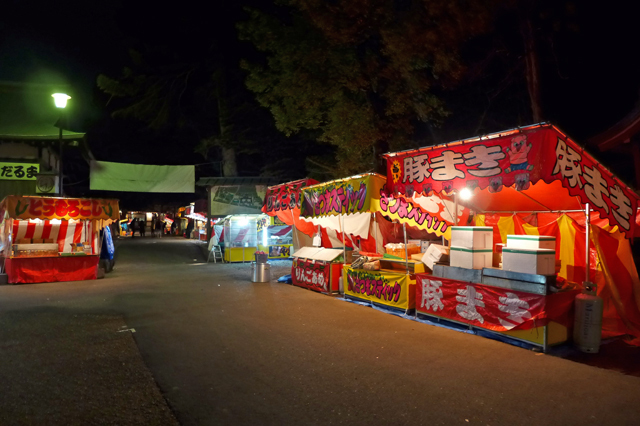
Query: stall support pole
{"points": [[294, 231], [406, 250], [375, 231], [455, 208], [588, 231], [344, 244]]}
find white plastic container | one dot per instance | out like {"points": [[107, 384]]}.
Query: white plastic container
{"points": [[529, 261], [463, 257], [531, 242], [472, 237]]}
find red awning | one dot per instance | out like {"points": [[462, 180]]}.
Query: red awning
{"points": [[531, 169]]}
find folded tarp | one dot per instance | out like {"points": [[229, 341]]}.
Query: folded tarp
{"points": [[107, 176]]}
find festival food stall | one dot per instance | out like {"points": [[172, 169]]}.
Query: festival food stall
{"points": [[240, 237], [45, 239], [355, 207], [531, 181]]}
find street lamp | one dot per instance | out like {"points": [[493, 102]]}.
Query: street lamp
{"points": [[60, 100]]}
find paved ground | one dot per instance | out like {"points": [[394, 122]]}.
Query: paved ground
{"points": [[219, 349]]}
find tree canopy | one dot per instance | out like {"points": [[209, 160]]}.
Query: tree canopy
{"points": [[362, 74]]}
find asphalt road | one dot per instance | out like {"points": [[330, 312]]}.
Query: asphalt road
{"points": [[220, 350]]}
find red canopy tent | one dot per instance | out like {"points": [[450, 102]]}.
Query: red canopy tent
{"points": [[532, 180]]}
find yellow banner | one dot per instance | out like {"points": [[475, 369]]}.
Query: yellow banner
{"points": [[26, 207], [382, 287]]}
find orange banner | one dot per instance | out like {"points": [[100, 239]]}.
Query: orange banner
{"points": [[26, 207]]}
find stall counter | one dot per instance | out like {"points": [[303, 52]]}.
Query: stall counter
{"points": [[317, 268], [393, 286], [47, 269], [239, 254], [537, 319]]}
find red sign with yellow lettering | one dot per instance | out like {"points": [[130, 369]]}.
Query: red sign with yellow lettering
{"points": [[25, 207]]}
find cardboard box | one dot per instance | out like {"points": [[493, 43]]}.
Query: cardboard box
{"points": [[424, 245], [531, 242], [435, 253], [463, 257], [417, 256], [529, 261], [472, 237]]}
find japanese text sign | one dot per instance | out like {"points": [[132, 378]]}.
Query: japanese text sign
{"points": [[517, 159], [479, 305], [346, 196], [310, 274], [25, 207], [285, 196], [409, 211], [382, 287], [19, 171]]}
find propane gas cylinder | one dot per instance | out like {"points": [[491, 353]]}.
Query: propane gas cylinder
{"points": [[587, 325]]}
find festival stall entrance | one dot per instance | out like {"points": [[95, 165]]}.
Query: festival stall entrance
{"points": [[534, 182], [47, 239]]}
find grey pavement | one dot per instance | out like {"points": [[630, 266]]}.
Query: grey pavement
{"points": [[220, 350]]}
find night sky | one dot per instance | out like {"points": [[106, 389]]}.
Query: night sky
{"points": [[589, 82]]}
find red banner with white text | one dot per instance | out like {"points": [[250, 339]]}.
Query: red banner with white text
{"points": [[311, 274], [488, 307]]}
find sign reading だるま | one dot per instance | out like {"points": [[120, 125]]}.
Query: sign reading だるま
{"points": [[19, 171]]}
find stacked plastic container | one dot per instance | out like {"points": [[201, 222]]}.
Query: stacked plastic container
{"points": [[530, 254], [471, 247]]}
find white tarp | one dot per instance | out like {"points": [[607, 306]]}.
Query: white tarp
{"points": [[356, 223], [107, 176]]}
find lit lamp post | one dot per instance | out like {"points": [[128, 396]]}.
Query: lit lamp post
{"points": [[60, 100]]}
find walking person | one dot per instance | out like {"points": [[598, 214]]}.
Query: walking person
{"points": [[133, 227], [159, 227], [141, 227]]}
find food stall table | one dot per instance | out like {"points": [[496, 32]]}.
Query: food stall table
{"points": [[317, 268], [393, 286], [530, 317]]}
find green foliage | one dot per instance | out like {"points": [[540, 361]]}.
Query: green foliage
{"points": [[362, 73]]}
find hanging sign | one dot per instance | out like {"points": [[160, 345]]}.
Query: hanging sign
{"points": [[285, 196], [19, 171], [26, 207], [515, 158], [344, 196]]}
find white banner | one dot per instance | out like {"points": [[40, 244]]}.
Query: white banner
{"points": [[107, 176]]}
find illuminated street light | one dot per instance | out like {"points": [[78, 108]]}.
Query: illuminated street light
{"points": [[60, 100]]}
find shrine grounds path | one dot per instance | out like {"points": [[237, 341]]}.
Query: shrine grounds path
{"points": [[168, 339]]}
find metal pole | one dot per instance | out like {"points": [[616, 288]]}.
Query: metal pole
{"points": [[455, 208], [588, 231], [344, 244], [375, 231], [294, 231], [60, 189], [406, 250]]}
